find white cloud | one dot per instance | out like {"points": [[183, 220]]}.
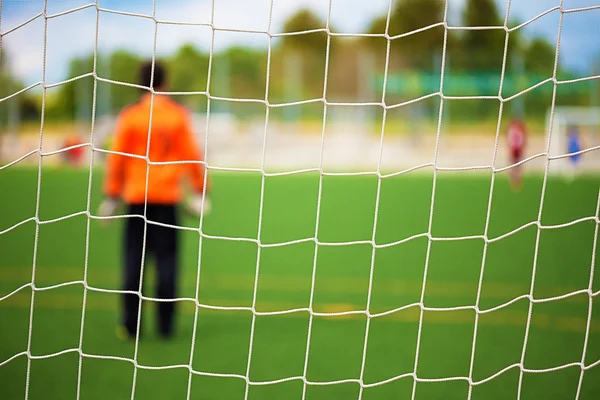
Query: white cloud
{"points": [[24, 50]]}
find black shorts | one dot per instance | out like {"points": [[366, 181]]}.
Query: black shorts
{"points": [[160, 240]]}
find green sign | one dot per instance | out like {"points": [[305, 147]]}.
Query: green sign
{"points": [[477, 84]]}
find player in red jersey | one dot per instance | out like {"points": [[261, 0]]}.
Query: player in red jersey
{"points": [[516, 138], [73, 156]]}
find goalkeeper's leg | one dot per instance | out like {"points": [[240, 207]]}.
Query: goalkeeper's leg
{"points": [[165, 247], [134, 239]]}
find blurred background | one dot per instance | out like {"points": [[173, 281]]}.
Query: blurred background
{"points": [[231, 64]]}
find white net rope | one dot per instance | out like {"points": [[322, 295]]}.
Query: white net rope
{"points": [[314, 239]]}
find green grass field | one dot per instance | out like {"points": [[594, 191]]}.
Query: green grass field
{"points": [[227, 275]]}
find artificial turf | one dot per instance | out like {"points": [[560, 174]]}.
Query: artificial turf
{"points": [[342, 258]]}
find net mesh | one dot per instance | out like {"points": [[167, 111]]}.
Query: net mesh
{"points": [[520, 366]]}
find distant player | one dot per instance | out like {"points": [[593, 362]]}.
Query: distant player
{"points": [[574, 147], [516, 139], [74, 156], [171, 140]]}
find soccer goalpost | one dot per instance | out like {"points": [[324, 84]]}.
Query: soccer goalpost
{"points": [[563, 117], [558, 123]]}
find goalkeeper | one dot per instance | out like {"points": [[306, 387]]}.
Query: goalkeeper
{"points": [[171, 140]]}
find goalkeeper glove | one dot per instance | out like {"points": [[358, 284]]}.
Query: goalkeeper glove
{"points": [[198, 204], [108, 207]]}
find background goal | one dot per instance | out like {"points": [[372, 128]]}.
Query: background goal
{"points": [[586, 120]]}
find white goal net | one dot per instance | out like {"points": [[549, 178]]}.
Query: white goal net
{"points": [[346, 152]]}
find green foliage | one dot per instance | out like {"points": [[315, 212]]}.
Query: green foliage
{"points": [[6, 81], [247, 71], [309, 50], [123, 67], [68, 100], [312, 43], [297, 67], [420, 50], [6, 85], [188, 70], [595, 100], [9, 85], [483, 49], [539, 57]]}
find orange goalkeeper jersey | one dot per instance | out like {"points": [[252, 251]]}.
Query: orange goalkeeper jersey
{"points": [[171, 139]]}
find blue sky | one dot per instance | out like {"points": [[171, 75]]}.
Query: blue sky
{"points": [[74, 34]]}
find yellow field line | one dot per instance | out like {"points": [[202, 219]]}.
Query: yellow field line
{"points": [[505, 318], [335, 285]]}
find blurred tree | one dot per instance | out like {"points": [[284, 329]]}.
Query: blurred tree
{"points": [[247, 71], [6, 88], [595, 97], [483, 49], [307, 51], [188, 72], [74, 100], [377, 26], [314, 43], [469, 49], [5, 78], [238, 72], [517, 43], [123, 67], [346, 59], [539, 57], [67, 101], [21, 107], [420, 50]]}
